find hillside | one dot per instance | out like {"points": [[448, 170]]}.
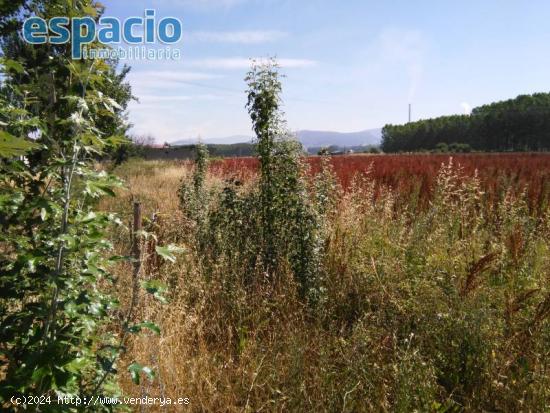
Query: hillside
{"points": [[311, 138], [308, 138]]}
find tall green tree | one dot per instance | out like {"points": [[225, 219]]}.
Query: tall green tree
{"points": [[289, 226], [520, 124], [54, 254]]}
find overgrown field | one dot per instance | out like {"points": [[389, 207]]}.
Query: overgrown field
{"points": [[426, 286], [413, 176], [269, 284]]}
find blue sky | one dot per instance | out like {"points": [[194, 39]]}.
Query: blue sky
{"points": [[349, 64]]}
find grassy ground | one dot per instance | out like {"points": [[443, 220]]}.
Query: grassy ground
{"points": [[439, 308]]}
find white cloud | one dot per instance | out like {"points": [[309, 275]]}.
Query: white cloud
{"points": [[159, 99], [242, 37], [244, 63], [145, 99], [172, 76], [151, 81], [466, 107], [407, 48]]}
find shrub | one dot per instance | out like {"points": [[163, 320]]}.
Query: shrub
{"points": [[281, 225]]}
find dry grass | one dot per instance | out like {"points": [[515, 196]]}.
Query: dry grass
{"points": [[440, 308]]}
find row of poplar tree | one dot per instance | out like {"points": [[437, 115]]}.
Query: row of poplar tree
{"points": [[520, 124]]}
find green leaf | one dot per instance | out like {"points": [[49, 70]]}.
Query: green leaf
{"points": [[147, 324], [12, 65], [153, 286], [89, 217], [96, 189], [91, 11], [117, 140], [168, 252], [156, 288], [114, 104], [12, 146], [39, 373], [77, 365], [136, 369], [119, 258]]}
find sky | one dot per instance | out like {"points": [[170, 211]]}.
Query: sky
{"points": [[349, 65]]}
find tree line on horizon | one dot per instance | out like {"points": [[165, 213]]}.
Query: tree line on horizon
{"points": [[519, 124]]}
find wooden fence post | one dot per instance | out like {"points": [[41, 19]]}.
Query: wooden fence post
{"points": [[136, 239]]}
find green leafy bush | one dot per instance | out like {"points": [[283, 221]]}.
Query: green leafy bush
{"points": [[57, 116], [270, 226]]}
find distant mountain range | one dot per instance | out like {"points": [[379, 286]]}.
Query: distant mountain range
{"points": [[309, 138], [226, 140]]}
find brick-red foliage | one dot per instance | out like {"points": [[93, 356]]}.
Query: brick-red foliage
{"points": [[408, 174]]}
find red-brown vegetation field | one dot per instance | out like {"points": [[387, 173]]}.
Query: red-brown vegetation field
{"points": [[415, 174]]}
